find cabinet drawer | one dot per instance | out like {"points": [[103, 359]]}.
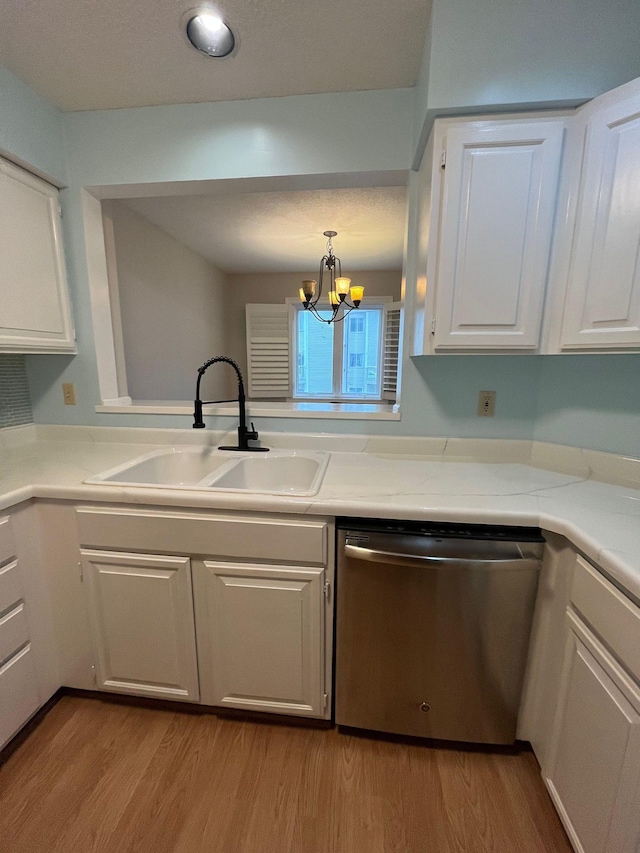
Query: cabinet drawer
{"points": [[14, 631], [10, 586], [19, 697], [7, 543], [610, 613], [226, 536]]}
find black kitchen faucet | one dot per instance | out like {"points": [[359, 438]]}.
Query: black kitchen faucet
{"points": [[244, 435]]}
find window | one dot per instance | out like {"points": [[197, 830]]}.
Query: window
{"points": [[341, 361], [315, 344], [290, 355]]}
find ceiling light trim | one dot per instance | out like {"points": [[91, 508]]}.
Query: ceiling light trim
{"points": [[197, 11]]}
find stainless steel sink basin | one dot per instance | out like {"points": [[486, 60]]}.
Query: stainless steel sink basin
{"points": [[280, 472]]}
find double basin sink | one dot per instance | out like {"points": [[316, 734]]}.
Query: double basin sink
{"points": [[279, 472]]}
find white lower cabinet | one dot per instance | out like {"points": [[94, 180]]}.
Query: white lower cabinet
{"points": [[261, 638], [22, 689], [593, 773], [260, 607], [19, 694], [142, 621]]}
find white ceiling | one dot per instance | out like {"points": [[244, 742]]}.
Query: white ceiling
{"points": [[105, 54], [282, 231]]}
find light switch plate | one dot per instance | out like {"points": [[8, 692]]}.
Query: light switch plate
{"points": [[486, 404], [69, 393]]}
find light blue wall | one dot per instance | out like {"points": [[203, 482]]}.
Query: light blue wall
{"points": [[353, 132], [497, 54], [440, 398], [590, 401], [518, 51], [298, 135], [31, 129]]}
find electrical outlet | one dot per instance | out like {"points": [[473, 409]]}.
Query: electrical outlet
{"points": [[69, 393], [486, 404]]}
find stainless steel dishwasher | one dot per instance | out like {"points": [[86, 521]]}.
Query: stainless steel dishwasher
{"points": [[433, 624]]}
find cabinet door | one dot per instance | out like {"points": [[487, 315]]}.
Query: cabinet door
{"points": [[500, 186], [142, 621], [261, 637], [594, 769], [35, 313], [602, 308], [19, 695]]}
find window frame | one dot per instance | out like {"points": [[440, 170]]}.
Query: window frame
{"points": [[295, 307]]}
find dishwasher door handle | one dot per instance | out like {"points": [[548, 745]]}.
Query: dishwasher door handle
{"points": [[357, 552]]}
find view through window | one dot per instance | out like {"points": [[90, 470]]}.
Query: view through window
{"points": [[341, 360]]}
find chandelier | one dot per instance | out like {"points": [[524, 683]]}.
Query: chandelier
{"points": [[339, 288]]}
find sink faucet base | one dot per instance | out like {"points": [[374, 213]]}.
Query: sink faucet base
{"points": [[244, 449]]}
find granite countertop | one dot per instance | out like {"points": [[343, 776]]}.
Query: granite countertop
{"points": [[600, 519]]}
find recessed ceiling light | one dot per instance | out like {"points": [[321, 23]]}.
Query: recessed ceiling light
{"points": [[209, 34]]}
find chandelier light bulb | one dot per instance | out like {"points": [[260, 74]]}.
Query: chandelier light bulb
{"points": [[356, 293], [342, 286]]}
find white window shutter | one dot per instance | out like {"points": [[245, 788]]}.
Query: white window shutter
{"points": [[392, 318], [268, 351]]}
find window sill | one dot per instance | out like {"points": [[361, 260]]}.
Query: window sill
{"points": [[262, 409]]}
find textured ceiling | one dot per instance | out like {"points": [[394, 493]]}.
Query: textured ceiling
{"points": [[282, 231], [104, 54]]}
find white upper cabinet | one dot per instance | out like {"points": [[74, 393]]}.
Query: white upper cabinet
{"points": [[602, 305], [36, 314], [493, 199]]}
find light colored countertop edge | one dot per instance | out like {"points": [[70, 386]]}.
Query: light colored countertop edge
{"points": [[616, 565], [567, 503]]}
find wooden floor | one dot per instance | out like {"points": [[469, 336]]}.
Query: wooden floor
{"points": [[96, 776]]}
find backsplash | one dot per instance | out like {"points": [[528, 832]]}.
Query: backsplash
{"points": [[15, 402]]}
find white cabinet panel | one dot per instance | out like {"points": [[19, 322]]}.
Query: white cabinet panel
{"points": [[548, 636], [35, 314], [19, 696], [14, 631], [28, 649], [609, 613], [602, 308], [228, 535], [594, 769], [10, 586], [7, 541], [499, 193], [261, 637], [142, 620]]}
